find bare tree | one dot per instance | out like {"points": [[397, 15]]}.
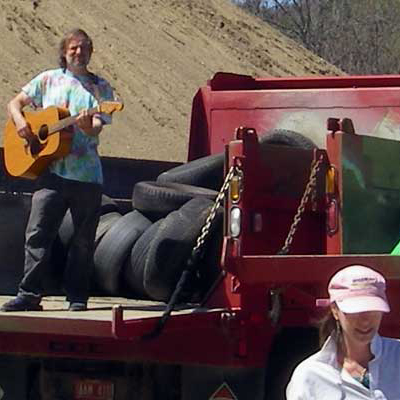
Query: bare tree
{"points": [[359, 36]]}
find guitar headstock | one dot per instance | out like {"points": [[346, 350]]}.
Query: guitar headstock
{"points": [[109, 107]]}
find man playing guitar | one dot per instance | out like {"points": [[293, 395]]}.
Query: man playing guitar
{"points": [[73, 181]]}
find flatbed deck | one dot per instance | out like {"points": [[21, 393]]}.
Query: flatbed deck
{"points": [[116, 329], [96, 321]]}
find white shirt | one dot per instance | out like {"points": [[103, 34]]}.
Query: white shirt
{"points": [[319, 377]]}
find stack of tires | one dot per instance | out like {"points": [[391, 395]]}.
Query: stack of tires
{"points": [[142, 253]]}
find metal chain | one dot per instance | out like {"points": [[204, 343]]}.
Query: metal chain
{"points": [[312, 181], [218, 201], [191, 262]]}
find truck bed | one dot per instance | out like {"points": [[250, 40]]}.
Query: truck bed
{"points": [[118, 329], [96, 321]]}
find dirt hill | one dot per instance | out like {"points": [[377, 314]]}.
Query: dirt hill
{"points": [[156, 53]]}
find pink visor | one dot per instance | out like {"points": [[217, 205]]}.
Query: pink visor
{"points": [[357, 289]]}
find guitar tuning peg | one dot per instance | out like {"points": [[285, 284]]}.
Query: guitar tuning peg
{"points": [[117, 97]]}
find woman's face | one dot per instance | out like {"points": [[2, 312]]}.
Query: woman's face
{"points": [[358, 328]]}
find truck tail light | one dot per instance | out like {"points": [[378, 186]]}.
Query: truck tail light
{"points": [[330, 180], [235, 221], [235, 188]]}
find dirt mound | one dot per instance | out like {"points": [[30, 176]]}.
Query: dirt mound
{"points": [[155, 53]]}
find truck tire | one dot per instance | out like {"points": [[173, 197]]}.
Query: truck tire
{"points": [[209, 268], [114, 248], [287, 138], [62, 242], [66, 230], [156, 200], [134, 267], [206, 172], [171, 246], [106, 221], [108, 205]]}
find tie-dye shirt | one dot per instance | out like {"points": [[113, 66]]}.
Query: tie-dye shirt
{"points": [[61, 88]]}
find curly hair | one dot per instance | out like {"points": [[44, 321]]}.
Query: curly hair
{"points": [[74, 33]]}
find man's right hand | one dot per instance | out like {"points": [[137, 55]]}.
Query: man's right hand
{"points": [[32, 141], [24, 130]]}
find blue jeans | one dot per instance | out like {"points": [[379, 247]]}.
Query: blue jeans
{"points": [[49, 205]]}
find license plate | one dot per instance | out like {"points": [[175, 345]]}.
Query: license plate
{"points": [[93, 389]]}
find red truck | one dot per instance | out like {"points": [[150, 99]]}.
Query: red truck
{"points": [[295, 211]]}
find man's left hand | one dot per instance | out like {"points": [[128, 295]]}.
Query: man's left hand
{"points": [[84, 121]]}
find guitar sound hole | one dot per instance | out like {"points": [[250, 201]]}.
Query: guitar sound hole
{"points": [[43, 132], [35, 147]]}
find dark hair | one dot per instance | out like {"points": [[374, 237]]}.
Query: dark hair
{"points": [[65, 41], [326, 326], [329, 326]]}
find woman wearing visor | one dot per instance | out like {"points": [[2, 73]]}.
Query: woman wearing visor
{"points": [[354, 362]]}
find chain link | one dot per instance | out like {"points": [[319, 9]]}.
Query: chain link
{"points": [[218, 201], [310, 189]]}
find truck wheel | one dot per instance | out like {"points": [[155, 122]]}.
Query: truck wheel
{"points": [[134, 267], [115, 247], [171, 247], [287, 138], [290, 347], [206, 172], [156, 200]]}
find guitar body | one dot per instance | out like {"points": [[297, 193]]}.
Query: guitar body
{"points": [[20, 160], [51, 142]]}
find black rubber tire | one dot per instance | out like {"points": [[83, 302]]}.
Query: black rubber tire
{"points": [[171, 247], [134, 267], [209, 267], [52, 282], [156, 200], [106, 221], [114, 248], [206, 172], [66, 230], [108, 205], [287, 138]]}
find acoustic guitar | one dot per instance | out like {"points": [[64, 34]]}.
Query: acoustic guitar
{"points": [[50, 142]]}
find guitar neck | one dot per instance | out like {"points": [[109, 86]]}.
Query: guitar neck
{"points": [[65, 122]]}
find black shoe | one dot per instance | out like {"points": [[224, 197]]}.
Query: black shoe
{"points": [[75, 306], [21, 303]]}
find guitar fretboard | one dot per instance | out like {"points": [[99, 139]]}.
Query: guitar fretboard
{"points": [[63, 123]]}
